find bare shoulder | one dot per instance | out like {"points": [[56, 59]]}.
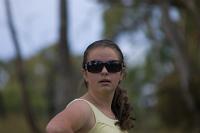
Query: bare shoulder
{"points": [[73, 118]]}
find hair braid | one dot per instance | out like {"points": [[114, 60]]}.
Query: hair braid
{"points": [[122, 109]]}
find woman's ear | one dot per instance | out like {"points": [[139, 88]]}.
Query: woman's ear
{"points": [[84, 73], [123, 74]]}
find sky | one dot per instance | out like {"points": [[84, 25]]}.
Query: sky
{"points": [[37, 26]]}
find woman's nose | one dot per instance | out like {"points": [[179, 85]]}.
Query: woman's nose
{"points": [[104, 70]]}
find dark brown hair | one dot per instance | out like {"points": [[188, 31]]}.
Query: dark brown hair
{"points": [[120, 104]]}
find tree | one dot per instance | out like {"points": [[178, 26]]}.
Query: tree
{"points": [[20, 69], [66, 86], [2, 106], [172, 41]]}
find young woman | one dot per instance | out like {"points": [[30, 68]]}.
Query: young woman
{"points": [[104, 108]]}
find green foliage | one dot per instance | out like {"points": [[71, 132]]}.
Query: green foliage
{"points": [[39, 69], [171, 104], [12, 95], [113, 17], [162, 66]]}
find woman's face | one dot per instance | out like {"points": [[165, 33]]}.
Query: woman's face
{"points": [[103, 80]]}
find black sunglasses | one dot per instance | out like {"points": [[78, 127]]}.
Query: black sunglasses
{"points": [[95, 66]]}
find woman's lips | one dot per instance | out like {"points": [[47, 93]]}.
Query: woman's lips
{"points": [[104, 81]]}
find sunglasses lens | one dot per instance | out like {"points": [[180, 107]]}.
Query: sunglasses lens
{"points": [[95, 66], [113, 66]]}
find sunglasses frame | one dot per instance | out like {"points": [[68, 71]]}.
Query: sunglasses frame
{"points": [[101, 64]]}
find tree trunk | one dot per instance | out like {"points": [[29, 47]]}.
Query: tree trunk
{"points": [[50, 85], [2, 106], [191, 5], [65, 90], [21, 73], [181, 61]]}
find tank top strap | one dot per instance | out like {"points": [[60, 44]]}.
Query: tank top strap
{"points": [[102, 122], [99, 115]]}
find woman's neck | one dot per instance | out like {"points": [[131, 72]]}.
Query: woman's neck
{"points": [[102, 101]]}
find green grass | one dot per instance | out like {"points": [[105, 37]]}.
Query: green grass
{"points": [[16, 123]]}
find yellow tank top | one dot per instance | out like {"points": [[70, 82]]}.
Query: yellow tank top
{"points": [[103, 123]]}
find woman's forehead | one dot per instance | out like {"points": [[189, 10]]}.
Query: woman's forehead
{"points": [[103, 53]]}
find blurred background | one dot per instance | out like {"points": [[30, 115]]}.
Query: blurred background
{"points": [[41, 47]]}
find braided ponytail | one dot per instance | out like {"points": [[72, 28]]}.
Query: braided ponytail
{"points": [[122, 109]]}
